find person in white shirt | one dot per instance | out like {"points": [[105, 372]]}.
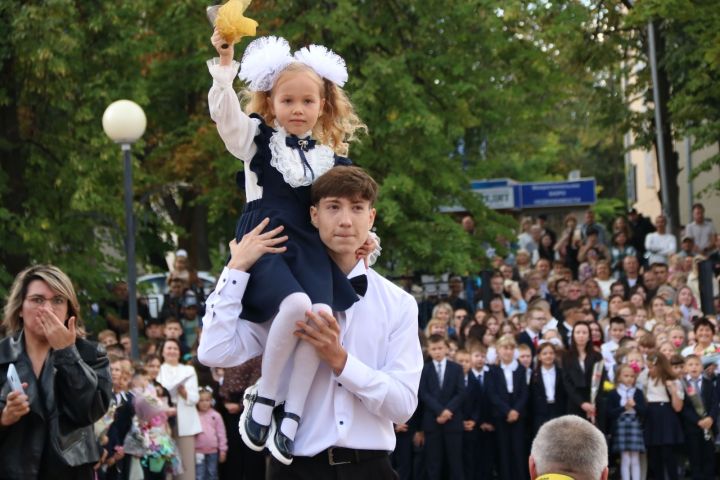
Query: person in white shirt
{"points": [[701, 230], [617, 330], [371, 358], [660, 245]]}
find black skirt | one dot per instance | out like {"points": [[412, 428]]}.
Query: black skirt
{"points": [[662, 425]]}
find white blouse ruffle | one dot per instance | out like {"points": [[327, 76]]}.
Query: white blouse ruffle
{"points": [[288, 162]]}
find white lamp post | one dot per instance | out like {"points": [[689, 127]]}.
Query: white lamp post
{"points": [[124, 122]]}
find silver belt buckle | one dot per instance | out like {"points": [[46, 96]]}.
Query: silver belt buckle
{"points": [[331, 458]]}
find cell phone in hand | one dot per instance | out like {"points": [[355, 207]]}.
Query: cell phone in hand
{"points": [[14, 379]]}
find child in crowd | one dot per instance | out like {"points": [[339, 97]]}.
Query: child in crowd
{"points": [[626, 410], [107, 338], [700, 409], [525, 358], [470, 412], [174, 330], [663, 431], [301, 121], [616, 332], [441, 391], [210, 444], [509, 395], [547, 392], [485, 438]]}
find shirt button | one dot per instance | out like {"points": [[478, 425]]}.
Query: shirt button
{"points": [[234, 282], [339, 384], [341, 422]]}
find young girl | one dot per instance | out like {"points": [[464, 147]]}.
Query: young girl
{"points": [[301, 121], [626, 408], [508, 391], [210, 444], [663, 431], [547, 393]]}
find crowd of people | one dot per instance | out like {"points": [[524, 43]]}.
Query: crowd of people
{"points": [[604, 324]]}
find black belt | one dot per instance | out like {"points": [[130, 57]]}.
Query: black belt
{"points": [[341, 455]]}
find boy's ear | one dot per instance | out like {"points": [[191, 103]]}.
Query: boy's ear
{"points": [[313, 215]]}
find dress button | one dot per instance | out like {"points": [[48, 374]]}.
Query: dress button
{"points": [[341, 422], [234, 282], [339, 384]]}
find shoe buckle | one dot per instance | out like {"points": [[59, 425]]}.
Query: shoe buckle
{"points": [[331, 458]]}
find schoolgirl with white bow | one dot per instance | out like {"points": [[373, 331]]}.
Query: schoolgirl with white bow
{"points": [[299, 124], [626, 410]]}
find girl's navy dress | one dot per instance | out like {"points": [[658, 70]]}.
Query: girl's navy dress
{"points": [[305, 266]]}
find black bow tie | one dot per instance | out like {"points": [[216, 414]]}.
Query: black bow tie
{"points": [[360, 284], [303, 144]]}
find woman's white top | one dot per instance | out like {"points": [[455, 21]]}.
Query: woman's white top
{"points": [[172, 376], [238, 131]]}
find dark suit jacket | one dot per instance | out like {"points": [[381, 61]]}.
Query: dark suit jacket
{"points": [[564, 333], [472, 400], [122, 421], [614, 409], [710, 401], [540, 410], [436, 399], [524, 338], [502, 401], [578, 382]]}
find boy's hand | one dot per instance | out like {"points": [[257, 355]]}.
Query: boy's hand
{"points": [[487, 427], [254, 245], [401, 427], [419, 439], [469, 425], [223, 457], [322, 331], [513, 416]]}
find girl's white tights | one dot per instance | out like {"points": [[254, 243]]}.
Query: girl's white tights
{"points": [[630, 466], [280, 347]]}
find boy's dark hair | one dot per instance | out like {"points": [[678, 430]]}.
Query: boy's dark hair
{"points": [[618, 320], [692, 356], [435, 338], [344, 182], [170, 320], [624, 341], [678, 359]]}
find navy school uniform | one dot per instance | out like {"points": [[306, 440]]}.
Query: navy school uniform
{"points": [[525, 339], [701, 452], [305, 266], [626, 428], [402, 457], [510, 436], [541, 409], [470, 411], [442, 442], [485, 442]]}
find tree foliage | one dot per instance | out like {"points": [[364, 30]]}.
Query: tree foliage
{"points": [[451, 90]]}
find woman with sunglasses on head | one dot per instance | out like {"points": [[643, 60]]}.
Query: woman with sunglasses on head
{"points": [[46, 430]]}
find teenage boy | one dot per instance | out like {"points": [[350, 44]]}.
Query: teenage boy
{"points": [[698, 420], [531, 336], [442, 388], [371, 357]]}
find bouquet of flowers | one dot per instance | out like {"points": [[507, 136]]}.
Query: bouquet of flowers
{"points": [[711, 355], [149, 437], [697, 404], [595, 385]]}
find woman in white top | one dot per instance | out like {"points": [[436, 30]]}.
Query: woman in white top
{"points": [[182, 383]]}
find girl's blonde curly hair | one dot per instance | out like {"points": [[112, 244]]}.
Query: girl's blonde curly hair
{"points": [[338, 124]]}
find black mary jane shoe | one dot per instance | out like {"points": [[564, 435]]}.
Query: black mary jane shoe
{"points": [[253, 434], [281, 447]]}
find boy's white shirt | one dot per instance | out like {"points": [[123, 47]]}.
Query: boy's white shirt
{"points": [[378, 385]]}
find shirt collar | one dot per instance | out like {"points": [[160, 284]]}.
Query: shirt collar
{"points": [[358, 269], [512, 366]]}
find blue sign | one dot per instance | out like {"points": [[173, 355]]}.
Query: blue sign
{"points": [[558, 194]]}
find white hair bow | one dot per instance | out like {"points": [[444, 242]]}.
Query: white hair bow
{"points": [[266, 57]]}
